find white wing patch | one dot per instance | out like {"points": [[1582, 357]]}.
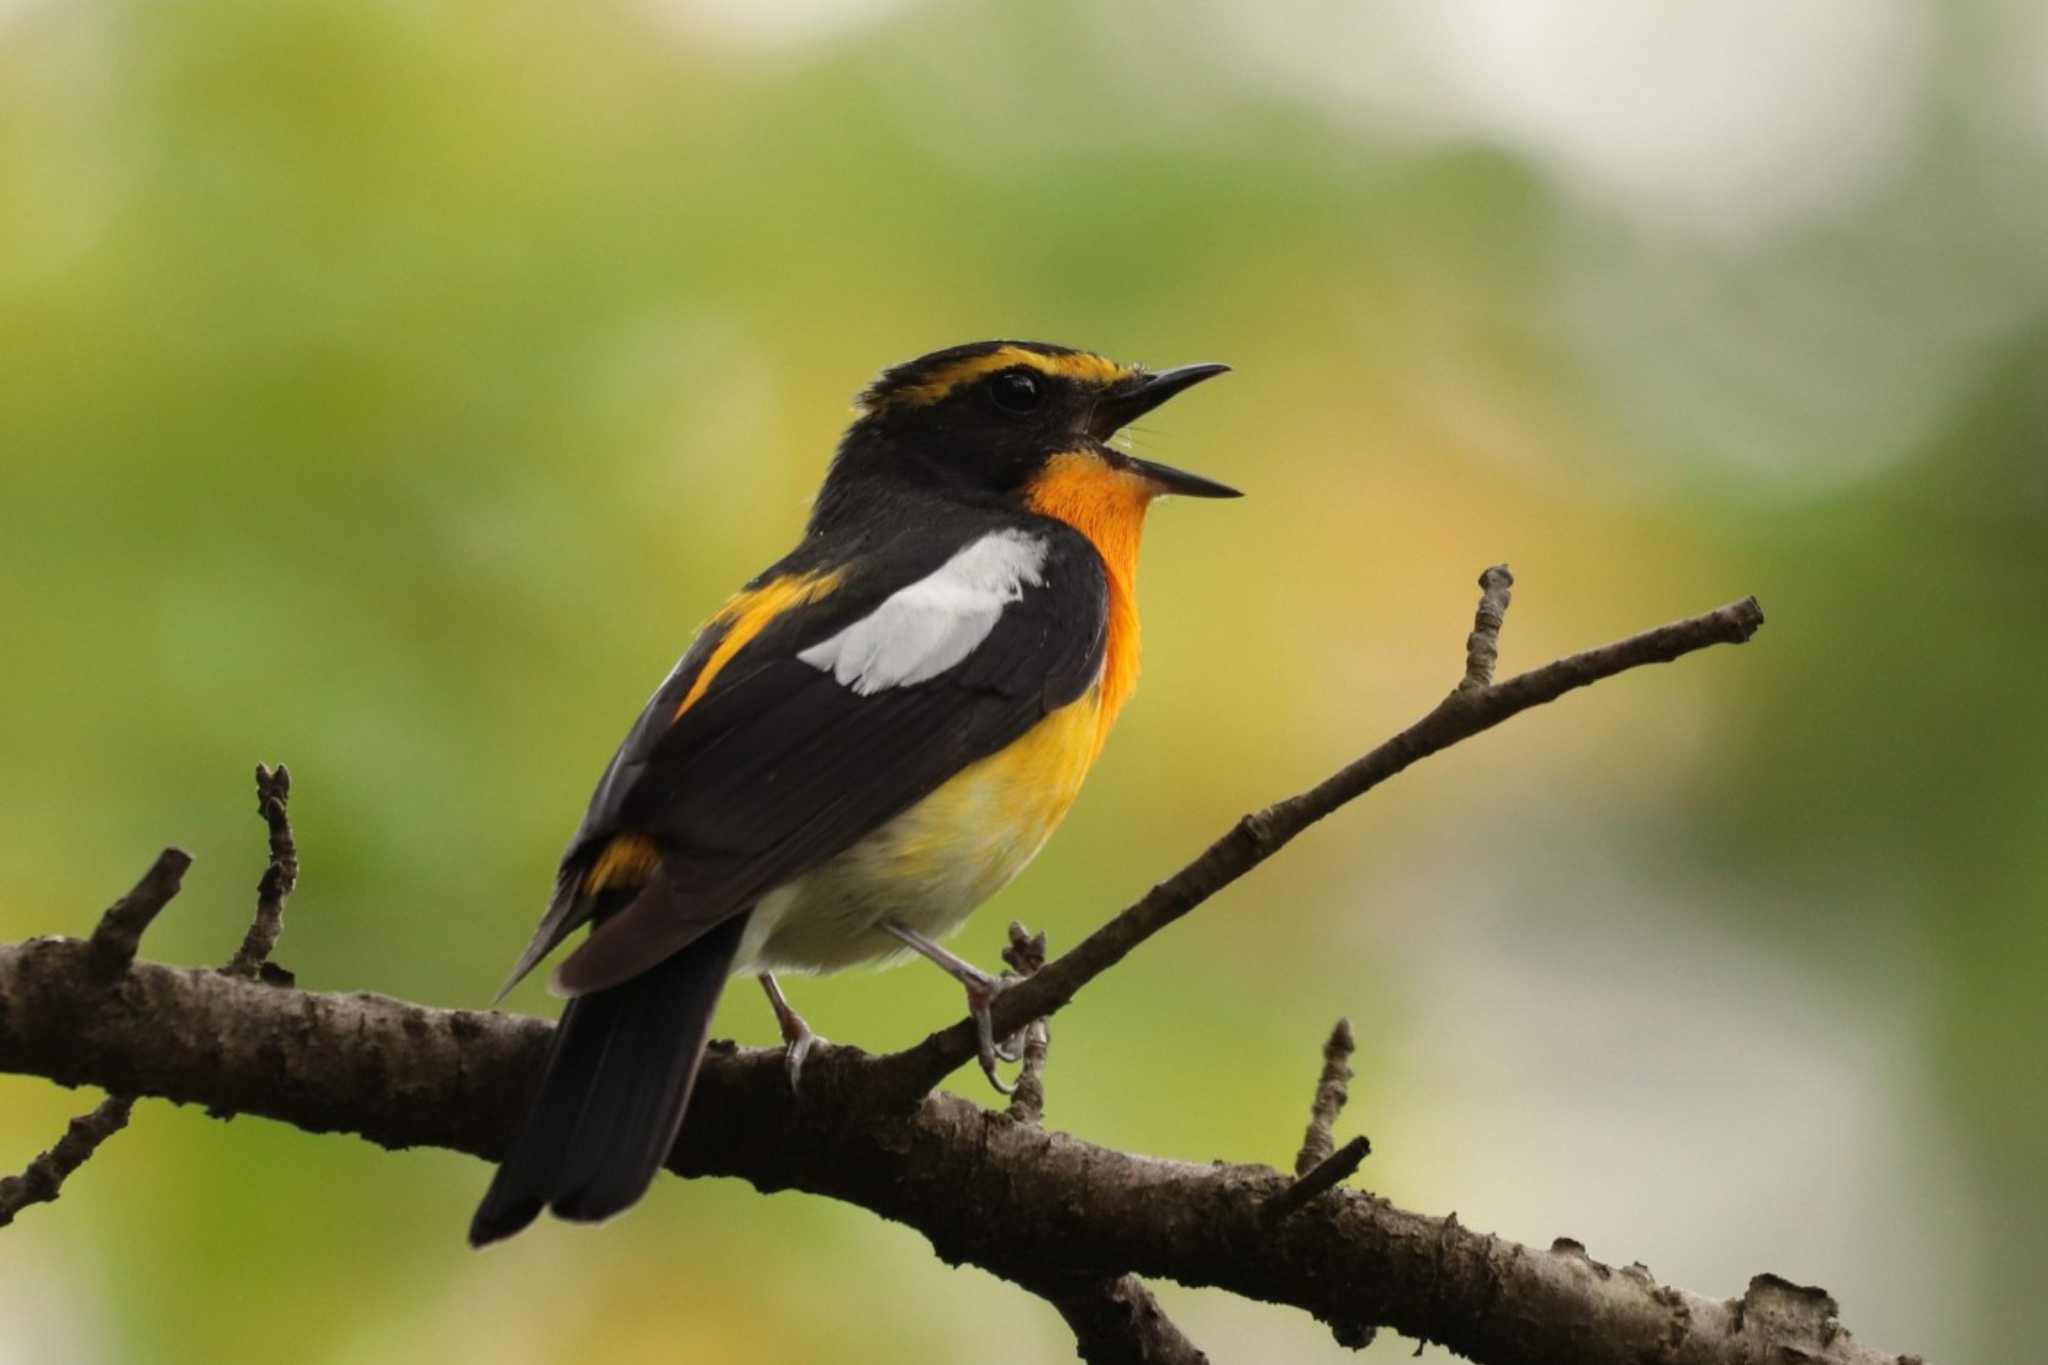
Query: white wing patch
{"points": [[928, 627]]}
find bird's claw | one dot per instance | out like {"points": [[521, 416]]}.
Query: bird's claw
{"points": [[981, 996], [982, 990], [794, 1051], [1011, 1049], [797, 1036]]}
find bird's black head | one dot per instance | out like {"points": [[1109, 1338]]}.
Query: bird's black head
{"points": [[982, 422]]}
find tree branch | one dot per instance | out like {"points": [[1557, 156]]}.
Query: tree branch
{"points": [[1044, 1209], [1020, 1201], [114, 943], [1467, 711]]}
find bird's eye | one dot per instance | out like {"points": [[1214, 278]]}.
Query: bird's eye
{"points": [[1016, 391]]}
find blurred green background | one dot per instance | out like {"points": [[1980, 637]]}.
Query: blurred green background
{"points": [[390, 389]]}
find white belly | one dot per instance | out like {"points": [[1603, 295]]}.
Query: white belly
{"points": [[931, 866]]}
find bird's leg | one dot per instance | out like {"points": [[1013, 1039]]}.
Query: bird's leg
{"points": [[797, 1036], [982, 990]]}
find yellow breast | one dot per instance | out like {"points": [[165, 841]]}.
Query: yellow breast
{"points": [[933, 864], [1002, 809]]}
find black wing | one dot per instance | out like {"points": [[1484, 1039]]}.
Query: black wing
{"points": [[776, 765]]}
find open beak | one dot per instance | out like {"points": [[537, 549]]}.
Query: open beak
{"points": [[1138, 396]]}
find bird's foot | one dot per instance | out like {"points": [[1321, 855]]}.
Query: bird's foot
{"points": [[797, 1036], [982, 990], [795, 1048]]}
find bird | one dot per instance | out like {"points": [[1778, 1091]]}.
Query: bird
{"points": [[862, 745]]}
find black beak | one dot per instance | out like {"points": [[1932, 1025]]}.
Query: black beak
{"points": [[1136, 397], [1171, 480]]}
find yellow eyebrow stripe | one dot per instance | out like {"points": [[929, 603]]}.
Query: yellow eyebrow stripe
{"points": [[1081, 365], [748, 614]]}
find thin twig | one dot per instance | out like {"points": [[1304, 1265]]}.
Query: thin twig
{"points": [[1482, 646], [119, 932], [1025, 952], [1332, 1171], [252, 960], [1027, 1102], [1320, 1164], [1119, 1322], [1025, 955], [41, 1182], [1331, 1095], [908, 1075], [273, 793]]}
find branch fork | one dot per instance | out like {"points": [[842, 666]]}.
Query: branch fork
{"points": [[1476, 704], [111, 951]]}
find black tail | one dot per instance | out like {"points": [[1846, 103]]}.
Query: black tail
{"points": [[618, 1079]]}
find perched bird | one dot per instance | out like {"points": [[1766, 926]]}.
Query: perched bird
{"points": [[865, 743]]}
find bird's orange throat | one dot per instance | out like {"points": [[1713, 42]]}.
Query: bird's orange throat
{"points": [[1108, 506]]}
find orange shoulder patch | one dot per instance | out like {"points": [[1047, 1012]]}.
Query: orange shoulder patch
{"points": [[748, 614], [628, 858]]}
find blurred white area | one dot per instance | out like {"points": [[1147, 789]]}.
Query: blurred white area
{"points": [[1799, 375], [68, 104], [48, 1317], [1597, 1053], [1776, 272], [2016, 47], [782, 28], [1732, 120]]}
